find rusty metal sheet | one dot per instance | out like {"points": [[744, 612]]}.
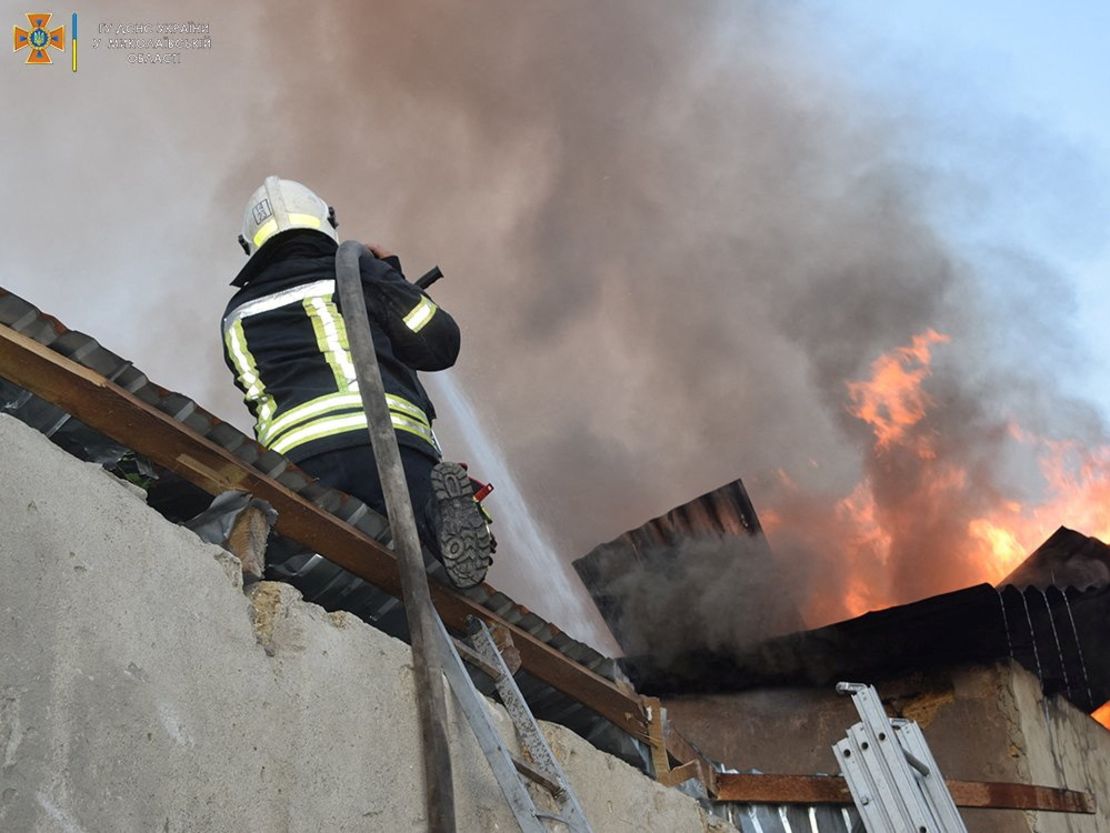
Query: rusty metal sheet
{"points": [[750, 788]]}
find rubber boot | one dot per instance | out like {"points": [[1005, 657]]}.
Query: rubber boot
{"points": [[461, 530]]}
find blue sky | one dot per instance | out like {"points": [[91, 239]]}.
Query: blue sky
{"points": [[1049, 60], [1021, 84]]}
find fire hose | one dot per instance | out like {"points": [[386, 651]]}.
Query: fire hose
{"points": [[427, 662]]}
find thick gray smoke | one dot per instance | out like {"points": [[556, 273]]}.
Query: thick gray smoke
{"points": [[712, 594], [672, 240], [670, 234]]}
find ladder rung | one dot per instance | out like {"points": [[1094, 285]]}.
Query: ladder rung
{"points": [[512, 773], [537, 775], [472, 657]]}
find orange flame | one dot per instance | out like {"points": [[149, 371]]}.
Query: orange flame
{"points": [[1077, 494], [863, 529], [892, 400], [857, 513]]}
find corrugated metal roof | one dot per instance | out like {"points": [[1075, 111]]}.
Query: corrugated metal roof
{"points": [[723, 512], [1059, 635], [1067, 559], [791, 818]]}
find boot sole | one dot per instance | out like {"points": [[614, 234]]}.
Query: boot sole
{"points": [[464, 538]]}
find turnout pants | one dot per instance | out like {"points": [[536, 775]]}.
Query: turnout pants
{"points": [[354, 471]]}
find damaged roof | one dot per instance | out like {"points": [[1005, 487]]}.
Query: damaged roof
{"points": [[705, 537], [1058, 634]]}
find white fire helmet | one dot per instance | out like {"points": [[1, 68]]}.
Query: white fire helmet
{"points": [[279, 206]]}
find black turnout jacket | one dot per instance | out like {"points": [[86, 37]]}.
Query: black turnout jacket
{"points": [[285, 341]]}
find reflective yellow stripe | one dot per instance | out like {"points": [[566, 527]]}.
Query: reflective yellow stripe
{"points": [[270, 227], [321, 406], [331, 338], [265, 232], [318, 429], [420, 315], [402, 423], [396, 403], [313, 408], [332, 425], [247, 370], [304, 221]]}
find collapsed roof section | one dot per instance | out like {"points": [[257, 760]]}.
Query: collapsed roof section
{"points": [[654, 584], [645, 582]]}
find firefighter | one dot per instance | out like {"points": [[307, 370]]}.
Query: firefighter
{"points": [[286, 343]]}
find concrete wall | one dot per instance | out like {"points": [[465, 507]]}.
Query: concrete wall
{"points": [[982, 724], [141, 690]]}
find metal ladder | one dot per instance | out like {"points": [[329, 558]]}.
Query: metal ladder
{"points": [[542, 767], [894, 779]]}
